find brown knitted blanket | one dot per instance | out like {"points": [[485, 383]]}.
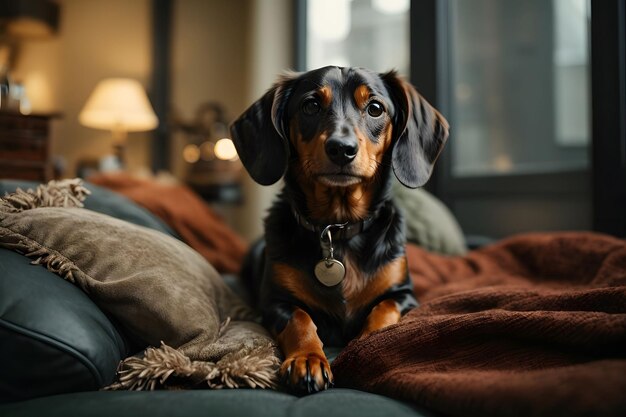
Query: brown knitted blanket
{"points": [[532, 326]]}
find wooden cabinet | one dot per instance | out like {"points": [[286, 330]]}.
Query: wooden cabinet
{"points": [[25, 147]]}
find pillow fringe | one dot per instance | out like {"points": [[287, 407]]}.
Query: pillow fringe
{"points": [[64, 193], [52, 260], [166, 367], [55, 263]]}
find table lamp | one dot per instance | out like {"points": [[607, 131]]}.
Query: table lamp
{"points": [[121, 106]]}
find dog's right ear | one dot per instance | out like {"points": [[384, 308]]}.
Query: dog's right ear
{"points": [[260, 134]]}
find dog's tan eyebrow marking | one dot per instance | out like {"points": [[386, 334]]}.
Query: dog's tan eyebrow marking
{"points": [[326, 95], [361, 95]]}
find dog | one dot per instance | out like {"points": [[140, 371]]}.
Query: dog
{"points": [[333, 266]]}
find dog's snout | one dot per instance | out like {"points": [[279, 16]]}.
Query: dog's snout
{"points": [[341, 150]]}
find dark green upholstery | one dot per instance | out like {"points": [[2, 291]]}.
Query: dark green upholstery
{"points": [[231, 403], [53, 338]]}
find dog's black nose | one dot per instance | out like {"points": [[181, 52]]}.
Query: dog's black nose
{"points": [[341, 150]]}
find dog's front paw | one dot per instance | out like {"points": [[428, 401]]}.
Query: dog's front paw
{"points": [[306, 373]]}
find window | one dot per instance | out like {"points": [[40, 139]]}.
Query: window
{"points": [[520, 86], [359, 33], [513, 80], [534, 91]]}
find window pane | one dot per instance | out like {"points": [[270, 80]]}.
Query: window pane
{"points": [[520, 77], [363, 33]]}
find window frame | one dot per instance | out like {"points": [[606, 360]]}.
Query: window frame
{"points": [[430, 41], [604, 181], [608, 103]]}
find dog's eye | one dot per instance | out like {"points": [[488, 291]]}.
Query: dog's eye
{"points": [[375, 109], [311, 107]]}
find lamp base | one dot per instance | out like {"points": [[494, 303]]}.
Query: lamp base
{"points": [[119, 150], [109, 163]]}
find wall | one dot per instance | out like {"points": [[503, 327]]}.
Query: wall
{"points": [[210, 62], [225, 50], [271, 53], [97, 39], [229, 51]]}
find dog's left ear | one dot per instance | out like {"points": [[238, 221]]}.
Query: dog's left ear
{"points": [[260, 134], [420, 132]]}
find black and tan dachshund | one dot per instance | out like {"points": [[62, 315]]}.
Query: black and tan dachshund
{"points": [[334, 265]]}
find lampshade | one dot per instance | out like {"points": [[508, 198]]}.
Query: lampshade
{"points": [[118, 104]]}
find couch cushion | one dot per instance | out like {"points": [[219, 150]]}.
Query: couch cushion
{"points": [[53, 338], [232, 403], [429, 223]]}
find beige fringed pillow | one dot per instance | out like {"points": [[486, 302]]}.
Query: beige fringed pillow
{"points": [[160, 289]]}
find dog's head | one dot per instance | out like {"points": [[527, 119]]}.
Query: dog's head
{"points": [[336, 127]]}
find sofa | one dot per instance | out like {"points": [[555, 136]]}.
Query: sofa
{"points": [[58, 350], [533, 324]]}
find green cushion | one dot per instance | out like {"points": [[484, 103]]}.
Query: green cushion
{"points": [[104, 201], [233, 403], [429, 223], [53, 338]]}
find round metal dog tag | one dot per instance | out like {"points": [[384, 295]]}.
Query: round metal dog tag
{"points": [[330, 272]]}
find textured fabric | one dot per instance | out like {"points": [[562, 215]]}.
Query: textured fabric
{"points": [[202, 403], [157, 287], [532, 326], [194, 221], [429, 223]]}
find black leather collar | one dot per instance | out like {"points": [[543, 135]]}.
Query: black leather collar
{"points": [[340, 231]]}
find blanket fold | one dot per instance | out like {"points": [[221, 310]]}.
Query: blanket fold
{"points": [[532, 326]]}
